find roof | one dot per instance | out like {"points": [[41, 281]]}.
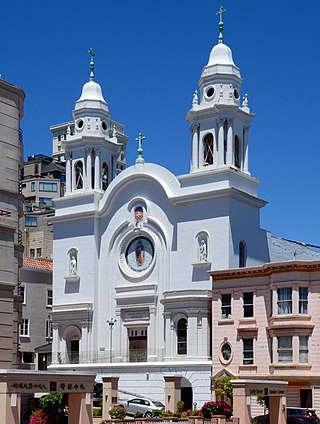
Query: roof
{"points": [[40, 263]]}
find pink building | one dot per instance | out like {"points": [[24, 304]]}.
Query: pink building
{"points": [[266, 325]]}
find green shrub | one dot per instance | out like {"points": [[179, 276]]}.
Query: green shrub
{"points": [[180, 406], [167, 413], [118, 412], [138, 414], [97, 411], [156, 413]]}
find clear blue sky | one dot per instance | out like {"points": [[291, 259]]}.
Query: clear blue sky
{"points": [[149, 56]]}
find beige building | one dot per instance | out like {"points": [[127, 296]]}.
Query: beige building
{"points": [[266, 325], [43, 182], [11, 203], [36, 326]]}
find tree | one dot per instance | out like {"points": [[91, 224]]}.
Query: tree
{"points": [[223, 386]]}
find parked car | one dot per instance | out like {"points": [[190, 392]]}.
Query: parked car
{"points": [[294, 416], [146, 406]]}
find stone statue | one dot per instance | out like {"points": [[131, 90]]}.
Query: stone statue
{"points": [[203, 251], [73, 265]]}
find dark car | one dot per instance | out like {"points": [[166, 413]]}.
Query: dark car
{"points": [[294, 416]]}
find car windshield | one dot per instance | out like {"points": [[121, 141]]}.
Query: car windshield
{"points": [[158, 404]]}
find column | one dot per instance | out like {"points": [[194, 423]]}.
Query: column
{"points": [[200, 152], [84, 346], [56, 348], [295, 299], [97, 170], [109, 395], [230, 155], [192, 334], [274, 295], [87, 183], [79, 410], [68, 173], [241, 404], [152, 336], [295, 349], [220, 123], [245, 150], [194, 146], [277, 411], [168, 341], [172, 392]]}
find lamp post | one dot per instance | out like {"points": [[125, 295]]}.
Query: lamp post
{"points": [[111, 323]]}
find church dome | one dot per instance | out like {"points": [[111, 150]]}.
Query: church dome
{"points": [[221, 54], [91, 91]]}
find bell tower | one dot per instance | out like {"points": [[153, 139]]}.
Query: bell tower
{"points": [[218, 122], [95, 146]]}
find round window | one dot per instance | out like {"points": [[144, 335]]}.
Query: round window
{"points": [[210, 92], [226, 351], [104, 125], [80, 124], [236, 94]]}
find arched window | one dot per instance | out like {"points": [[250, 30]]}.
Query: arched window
{"points": [[242, 254], [105, 179], [237, 152], [182, 336], [208, 149], [79, 174], [93, 157]]}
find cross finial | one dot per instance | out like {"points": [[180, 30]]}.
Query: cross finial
{"points": [[92, 55], [139, 139], [220, 12]]}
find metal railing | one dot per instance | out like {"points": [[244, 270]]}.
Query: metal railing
{"points": [[99, 357]]}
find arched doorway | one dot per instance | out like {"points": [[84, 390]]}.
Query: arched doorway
{"points": [[72, 336], [186, 393]]}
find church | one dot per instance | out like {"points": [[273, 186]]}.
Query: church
{"points": [[133, 246]]}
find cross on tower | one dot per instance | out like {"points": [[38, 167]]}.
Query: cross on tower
{"points": [[92, 55], [139, 139], [220, 12]]}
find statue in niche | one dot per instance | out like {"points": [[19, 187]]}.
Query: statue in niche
{"points": [[73, 265], [203, 251], [138, 217]]}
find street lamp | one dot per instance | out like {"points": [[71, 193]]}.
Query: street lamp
{"points": [[111, 324]]}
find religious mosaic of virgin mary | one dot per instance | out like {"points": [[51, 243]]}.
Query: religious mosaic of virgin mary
{"points": [[139, 254]]}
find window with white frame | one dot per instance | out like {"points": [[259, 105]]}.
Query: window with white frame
{"points": [[303, 349], [49, 330], [248, 304], [284, 300], [49, 297], [47, 186], [247, 351], [303, 300], [226, 305], [25, 327], [285, 349]]}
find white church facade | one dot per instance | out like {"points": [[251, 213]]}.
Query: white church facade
{"points": [[133, 247]]}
